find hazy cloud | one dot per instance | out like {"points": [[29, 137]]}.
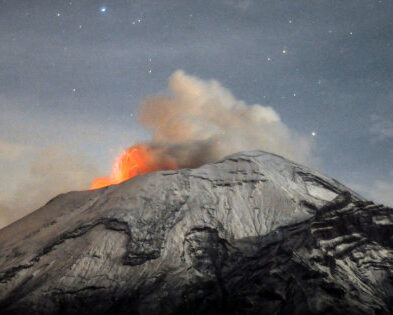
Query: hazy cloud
{"points": [[381, 127], [380, 191], [51, 171], [11, 151]]}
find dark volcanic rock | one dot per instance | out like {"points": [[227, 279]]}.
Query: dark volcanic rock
{"points": [[251, 234]]}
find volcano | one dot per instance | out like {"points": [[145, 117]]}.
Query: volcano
{"points": [[252, 233]]}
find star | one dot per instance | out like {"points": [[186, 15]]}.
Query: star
{"points": [[350, 33], [74, 90], [290, 21], [149, 71], [284, 51], [313, 133], [58, 14], [294, 94], [268, 59], [103, 9]]}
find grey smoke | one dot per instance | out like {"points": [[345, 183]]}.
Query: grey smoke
{"points": [[201, 121]]}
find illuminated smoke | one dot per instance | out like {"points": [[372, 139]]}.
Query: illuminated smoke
{"points": [[201, 121]]}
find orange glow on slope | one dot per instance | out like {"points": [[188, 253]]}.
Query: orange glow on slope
{"points": [[136, 160]]}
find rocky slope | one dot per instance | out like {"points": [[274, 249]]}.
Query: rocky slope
{"points": [[251, 234]]}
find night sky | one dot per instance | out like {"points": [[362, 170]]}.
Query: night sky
{"points": [[72, 74]]}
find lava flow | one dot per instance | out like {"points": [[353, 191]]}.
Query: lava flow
{"points": [[136, 160]]}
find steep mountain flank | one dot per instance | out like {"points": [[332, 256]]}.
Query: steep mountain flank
{"points": [[251, 234]]}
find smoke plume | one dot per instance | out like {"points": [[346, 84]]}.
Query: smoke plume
{"points": [[201, 121]]}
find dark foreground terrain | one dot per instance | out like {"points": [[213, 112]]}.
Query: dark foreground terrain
{"points": [[251, 234]]}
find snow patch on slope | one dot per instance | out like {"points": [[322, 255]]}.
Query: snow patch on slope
{"points": [[320, 192]]}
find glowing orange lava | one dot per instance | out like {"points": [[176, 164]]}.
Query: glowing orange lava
{"points": [[136, 160]]}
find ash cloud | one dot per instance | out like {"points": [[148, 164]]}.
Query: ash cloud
{"points": [[201, 121]]}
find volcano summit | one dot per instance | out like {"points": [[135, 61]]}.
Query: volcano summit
{"points": [[250, 234]]}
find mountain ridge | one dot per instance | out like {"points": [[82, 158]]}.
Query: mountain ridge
{"points": [[192, 240]]}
